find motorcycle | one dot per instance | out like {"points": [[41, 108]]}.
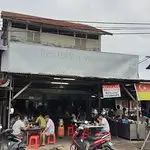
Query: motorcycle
{"points": [[81, 142], [8, 141]]}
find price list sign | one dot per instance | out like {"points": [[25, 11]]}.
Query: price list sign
{"points": [[111, 91]]}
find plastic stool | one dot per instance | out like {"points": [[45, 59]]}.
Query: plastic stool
{"points": [[87, 132], [70, 131], [51, 139], [34, 142]]}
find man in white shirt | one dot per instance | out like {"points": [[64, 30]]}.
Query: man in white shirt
{"points": [[119, 112], [104, 123], [50, 128], [18, 126]]}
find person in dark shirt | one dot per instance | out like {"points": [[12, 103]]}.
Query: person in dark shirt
{"points": [[81, 114]]}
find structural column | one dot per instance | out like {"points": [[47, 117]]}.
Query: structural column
{"points": [[9, 101], [99, 102]]}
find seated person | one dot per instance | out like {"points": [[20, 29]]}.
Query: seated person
{"points": [[73, 118], [50, 128], [104, 123], [18, 126], [41, 121], [81, 114], [119, 112]]}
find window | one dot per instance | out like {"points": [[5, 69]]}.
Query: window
{"points": [[67, 33], [37, 37], [83, 43], [80, 43], [18, 25], [30, 36], [80, 35], [93, 36], [77, 42], [50, 30], [33, 37], [33, 28]]}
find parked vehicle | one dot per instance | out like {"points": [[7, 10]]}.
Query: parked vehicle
{"points": [[80, 142], [8, 141]]}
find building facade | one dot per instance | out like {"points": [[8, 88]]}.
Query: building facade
{"points": [[38, 48], [29, 33], [57, 33]]}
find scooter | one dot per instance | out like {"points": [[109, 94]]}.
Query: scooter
{"points": [[80, 142], [8, 141]]}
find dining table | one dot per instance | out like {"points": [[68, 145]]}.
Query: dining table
{"points": [[33, 131]]}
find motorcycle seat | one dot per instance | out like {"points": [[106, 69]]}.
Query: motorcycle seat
{"points": [[95, 138]]}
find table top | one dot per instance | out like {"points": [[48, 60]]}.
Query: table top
{"points": [[92, 126], [33, 129]]}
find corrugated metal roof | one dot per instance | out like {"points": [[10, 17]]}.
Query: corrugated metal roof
{"points": [[59, 23]]}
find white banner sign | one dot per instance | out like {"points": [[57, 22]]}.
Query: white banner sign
{"points": [[110, 91], [48, 60]]}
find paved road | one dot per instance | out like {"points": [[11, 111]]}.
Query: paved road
{"points": [[120, 144]]}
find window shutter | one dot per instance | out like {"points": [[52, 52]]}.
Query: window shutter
{"points": [[37, 37], [30, 36]]}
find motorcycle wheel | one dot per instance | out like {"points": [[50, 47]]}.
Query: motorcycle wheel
{"points": [[73, 147]]}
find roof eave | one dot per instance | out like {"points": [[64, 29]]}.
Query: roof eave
{"points": [[99, 31]]}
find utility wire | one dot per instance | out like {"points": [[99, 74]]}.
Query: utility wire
{"points": [[104, 22], [131, 33], [143, 60]]}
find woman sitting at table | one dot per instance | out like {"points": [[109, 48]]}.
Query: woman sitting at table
{"points": [[50, 128], [102, 121], [41, 121]]}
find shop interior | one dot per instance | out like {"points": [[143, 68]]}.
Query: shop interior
{"points": [[58, 96], [65, 94]]}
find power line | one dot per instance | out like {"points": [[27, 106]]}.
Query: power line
{"points": [[104, 22], [124, 28], [131, 33], [143, 60]]}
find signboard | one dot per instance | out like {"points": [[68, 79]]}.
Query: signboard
{"points": [[143, 92], [49, 60], [112, 90]]}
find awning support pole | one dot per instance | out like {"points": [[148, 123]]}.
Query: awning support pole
{"points": [[22, 90], [137, 106], [148, 135], [129, 93], [9, 102]]}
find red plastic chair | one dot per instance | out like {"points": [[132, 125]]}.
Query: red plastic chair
{"points": [[34, 142], [86, 133], [51, 139], [70, 130]]}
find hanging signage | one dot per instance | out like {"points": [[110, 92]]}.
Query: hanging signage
{"points": [[112, 90], [143, 92], [4, 83]]}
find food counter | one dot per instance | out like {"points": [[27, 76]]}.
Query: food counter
{"points": [[127, 131]]}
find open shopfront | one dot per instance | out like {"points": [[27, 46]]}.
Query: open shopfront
{"points": [[41, 78], [52, 92]]}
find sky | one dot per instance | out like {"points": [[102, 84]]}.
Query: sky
{"points": [[96, 10]]}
